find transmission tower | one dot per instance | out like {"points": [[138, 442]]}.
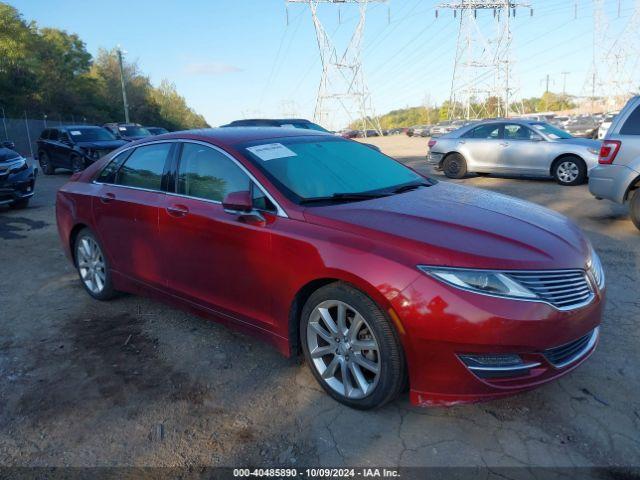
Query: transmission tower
{"points": [[613, 75], [482, 84], [342, 87]]}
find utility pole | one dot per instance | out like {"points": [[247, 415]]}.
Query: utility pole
{"points": [[122, 84], [564, 83], [483, 67], [342, 86]]}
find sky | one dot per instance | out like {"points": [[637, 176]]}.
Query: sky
{"points": [[235, 59]]}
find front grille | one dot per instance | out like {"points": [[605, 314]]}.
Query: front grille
{"points": [[564, 289], [570, 352]]}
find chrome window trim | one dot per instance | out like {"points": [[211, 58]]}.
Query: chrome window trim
{"points": [[279, 210], [587, 301]]}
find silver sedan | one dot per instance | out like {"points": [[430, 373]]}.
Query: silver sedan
{"points": [[514, 147]]}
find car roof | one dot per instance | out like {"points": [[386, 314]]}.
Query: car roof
{"points": [[233, 135], [69, 127]]}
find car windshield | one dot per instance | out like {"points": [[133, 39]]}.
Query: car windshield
{"points": [[91, 134], [550, 131], [133, 131], [306, 168]]}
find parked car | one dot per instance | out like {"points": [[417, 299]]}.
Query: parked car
{"points": [[420, 130], [74, 147], [582, 127], [277, 122], [156, 130], [514, 147], [17, 178], [349, 133], [128, 131], [440, 128], [617, 177], [380, 275], [607, 120], [559, 121]]}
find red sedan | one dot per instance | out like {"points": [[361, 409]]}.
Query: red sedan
{"points": [[379, 275]]}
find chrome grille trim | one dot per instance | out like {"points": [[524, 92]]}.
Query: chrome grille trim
{"points": [[563, 289], [571, 352]]}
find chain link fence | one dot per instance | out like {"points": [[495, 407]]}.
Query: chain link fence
{"points": [[25, 131]]}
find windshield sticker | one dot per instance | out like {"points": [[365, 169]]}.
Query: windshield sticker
{"points": [[122, 129], [553, 136], [538, 127], [271, 151], [75, 132]]}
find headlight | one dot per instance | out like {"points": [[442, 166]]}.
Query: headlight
{"points": [[593, 151], [17, 164], [594, 265], [486, 282]]}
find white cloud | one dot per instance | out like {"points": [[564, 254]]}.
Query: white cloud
{"points": [[211, 68]]}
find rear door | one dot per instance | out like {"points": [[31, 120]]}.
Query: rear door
{"points": [[481, 147], [126, 211]]}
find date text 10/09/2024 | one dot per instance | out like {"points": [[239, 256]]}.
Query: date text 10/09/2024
{"points": [[317, 472]]}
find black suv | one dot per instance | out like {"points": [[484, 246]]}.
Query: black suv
{"points": [[128, 131], [277, 122], [74, 147], [17, 178]]}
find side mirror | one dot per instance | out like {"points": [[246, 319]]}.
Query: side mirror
{"points": [[235, 202], [372, 147], [9, 145]]}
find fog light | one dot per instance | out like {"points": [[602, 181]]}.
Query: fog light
{"points": [[497, 365]]}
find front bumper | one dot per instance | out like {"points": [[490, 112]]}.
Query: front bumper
{"points": [[611, 181], [448, 323], [17, 186]]}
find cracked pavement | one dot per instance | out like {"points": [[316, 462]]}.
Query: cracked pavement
{"points": [[133, 382]]}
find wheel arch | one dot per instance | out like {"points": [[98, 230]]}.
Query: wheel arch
{"points": [[73, 235], [562, 156], [633, 186], [306, 290]]}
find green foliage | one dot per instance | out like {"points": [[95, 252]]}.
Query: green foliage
{"points": [[46, 70]]}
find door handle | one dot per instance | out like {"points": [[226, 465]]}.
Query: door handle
{"points": [[462, 142], [504, 144], [107, 197], [177, 211]]}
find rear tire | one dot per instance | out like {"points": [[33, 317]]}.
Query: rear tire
{"points": [[570, 171], [93, 266], [634, 208], [454, 166], [357, 342], [45, 164]]}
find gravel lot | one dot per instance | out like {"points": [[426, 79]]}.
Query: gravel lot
{"points": [[133, 382]]}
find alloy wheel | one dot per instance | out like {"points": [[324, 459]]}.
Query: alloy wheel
{"points": [[343, 349], [91, 265], [568, 172]]}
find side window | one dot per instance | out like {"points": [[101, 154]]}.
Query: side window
{"points": [[206, 173], [518, 132], [45, 134], [54, 135], [144, 168], [261, 201], [484, 131], [632, 125], [64, 137], [108, 173]]}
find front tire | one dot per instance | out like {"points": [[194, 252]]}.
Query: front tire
{"points": [[92, 266], [20, 204], [77, 164], [454, 166], [351, 347], [45, 164], [570, 171], [634, 208]]}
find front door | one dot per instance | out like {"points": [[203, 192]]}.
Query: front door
{"points": [[211, 257], [525, 152]]}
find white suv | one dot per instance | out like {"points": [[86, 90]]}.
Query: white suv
{"points": [[617, 177]]}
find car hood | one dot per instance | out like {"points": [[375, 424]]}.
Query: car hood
{"points": [[448, 224], [102, 145], [7, 154], [585, 142]]}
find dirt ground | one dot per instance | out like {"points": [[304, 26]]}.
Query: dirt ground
{"points": [[133, 382]]}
